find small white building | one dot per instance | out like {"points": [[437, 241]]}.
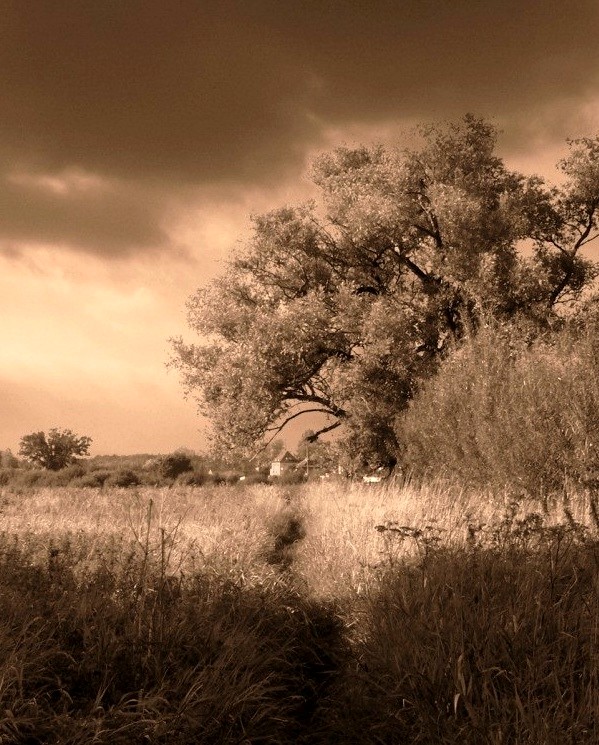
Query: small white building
{"points": [[375, 478]]}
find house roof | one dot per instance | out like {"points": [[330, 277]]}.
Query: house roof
{"points": [[287, 457]]}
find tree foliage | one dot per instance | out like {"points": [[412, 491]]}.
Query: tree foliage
{"points": [[342, 305], [55, 450]]}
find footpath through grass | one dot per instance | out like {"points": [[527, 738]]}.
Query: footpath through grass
{"points": [[331, 614]]}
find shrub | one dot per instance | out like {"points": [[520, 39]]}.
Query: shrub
{"points": [[65, 476], [290, 478], [123, 478], [174, 465], [225, 478], [193, 478], [37, 477], [8, 460], [7, 475], [95, 479], [256, 478], [503, 412], [28, 478]]}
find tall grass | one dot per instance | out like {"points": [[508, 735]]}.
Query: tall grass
{"points": [[102, 659], [231, 532], [503, 412], [217, 529], [490, 645], [327, 613]]}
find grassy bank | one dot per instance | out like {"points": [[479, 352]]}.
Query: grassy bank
{"points": [[335, 613]]}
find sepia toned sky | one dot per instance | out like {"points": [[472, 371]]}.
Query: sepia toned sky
{"points": [[137, 136]]}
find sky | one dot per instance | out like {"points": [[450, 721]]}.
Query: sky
{"points": [[137, 137]]}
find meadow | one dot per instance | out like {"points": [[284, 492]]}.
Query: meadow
{"points": [[320, 613]]}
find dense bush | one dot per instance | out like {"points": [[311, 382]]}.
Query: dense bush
{"points": [[94, 479], [65, 476], [256, 478], [82, 475], [7, 475], [225, 478], [502, 411], [290, 478], [194, 478], [174, 465], [26, 478], [8, 460], [123, 478]]}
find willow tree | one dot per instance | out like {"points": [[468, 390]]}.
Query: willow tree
{"points": [[341, 306]]}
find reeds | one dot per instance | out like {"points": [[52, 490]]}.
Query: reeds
{"points": [[503, 412]]}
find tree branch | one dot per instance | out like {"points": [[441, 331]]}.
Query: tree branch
{"points": [[431, 233], [278, 427], [588, 240], [414, 268], [329, 407], [329, 428], [588, 227]]}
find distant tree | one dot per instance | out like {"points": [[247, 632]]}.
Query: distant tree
{"points": [[344, 306], [262, 459], [7, 459], [273, 449], [54, 451]]}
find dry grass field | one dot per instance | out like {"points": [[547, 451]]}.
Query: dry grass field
{"points": [[321, 613]]}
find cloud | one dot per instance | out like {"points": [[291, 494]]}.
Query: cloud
{"points": [[113, 111], [146, 89], [200, 92], [75, 210]]}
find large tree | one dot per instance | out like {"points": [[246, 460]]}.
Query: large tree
{"points": [[342, 305]]}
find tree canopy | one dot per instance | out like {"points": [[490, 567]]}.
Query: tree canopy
{"points": [[340, 306], [55, 450]]}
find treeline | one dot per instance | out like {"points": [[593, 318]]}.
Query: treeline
{"points": [[53, 460], [124, 471]]}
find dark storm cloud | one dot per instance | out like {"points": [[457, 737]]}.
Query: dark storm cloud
{"points": [[155, 89], [202, 91], [423, 57], [99, 218], [166, 94]]}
